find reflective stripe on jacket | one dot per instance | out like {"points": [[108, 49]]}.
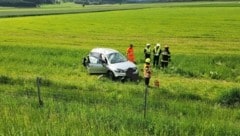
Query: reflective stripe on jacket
{"points": [[147, 50], [156, 51]]}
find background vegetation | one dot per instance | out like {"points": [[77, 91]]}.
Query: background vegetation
{"points": [[198, 94], [37, 3]]}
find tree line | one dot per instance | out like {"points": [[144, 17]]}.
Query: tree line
{"points": [[28, 3], [36, 3]]}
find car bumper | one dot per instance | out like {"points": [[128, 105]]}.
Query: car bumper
{"points": [[123, 74]]}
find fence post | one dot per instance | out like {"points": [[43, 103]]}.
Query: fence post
{"points": [[39, 92], [145, 102]]}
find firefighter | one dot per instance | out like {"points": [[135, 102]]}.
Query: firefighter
{"points": [[156, 54], [130, 53], [147, 71], [165, 58], [147, 51]]}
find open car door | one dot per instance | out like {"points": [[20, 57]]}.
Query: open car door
{"points": [[95, 65]]}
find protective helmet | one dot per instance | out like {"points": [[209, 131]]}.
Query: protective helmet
{"points": [[166, 46], [148, 44], [148, 60], [158, 45]]}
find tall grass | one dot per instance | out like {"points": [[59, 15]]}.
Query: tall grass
{"points": [[224, 67], [102, 113]]}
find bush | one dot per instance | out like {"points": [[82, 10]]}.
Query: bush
{"points": [[230, 98]]}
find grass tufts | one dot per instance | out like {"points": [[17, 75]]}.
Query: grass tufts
{"points": [[46, 82], [190, 96], [11, 81], [5, 80], [230, 98]]}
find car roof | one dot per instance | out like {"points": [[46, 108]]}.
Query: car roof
{"points": [[104, 51]]}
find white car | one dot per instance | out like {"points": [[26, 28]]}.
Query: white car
{"points": [[110, 62]]}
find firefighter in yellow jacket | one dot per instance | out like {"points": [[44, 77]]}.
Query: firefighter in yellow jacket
{"points": [[147, 71], [147, 51]]}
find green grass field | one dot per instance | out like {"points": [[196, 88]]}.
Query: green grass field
{"points": [[204, 43]]}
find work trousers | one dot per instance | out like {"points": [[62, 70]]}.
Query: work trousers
{"points": [[147, 80], [155, 60], [164, 64]]}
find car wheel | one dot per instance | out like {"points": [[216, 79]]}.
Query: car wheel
{"points": [[110, 75]]}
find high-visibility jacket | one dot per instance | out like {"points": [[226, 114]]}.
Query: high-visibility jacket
{"points": [[130, 54], [147, 70], [147, 50], [157, 51], [165, 56]]}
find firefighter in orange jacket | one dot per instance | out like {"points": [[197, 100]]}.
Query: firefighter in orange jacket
{"points": [[147, 71], [130, 54]]}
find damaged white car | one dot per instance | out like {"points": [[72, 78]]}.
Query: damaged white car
{"points": [[110, 62]]}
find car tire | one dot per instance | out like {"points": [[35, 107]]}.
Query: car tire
{"points": [[110, 75]]}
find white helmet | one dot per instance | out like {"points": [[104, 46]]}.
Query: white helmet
{"points": [[158, 45], [148, 44]]}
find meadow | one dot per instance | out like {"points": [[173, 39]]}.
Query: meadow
{"points": [[205, 69]]}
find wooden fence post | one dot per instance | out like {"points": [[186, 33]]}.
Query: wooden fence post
{"points": [[39, 92], [145, 102]]}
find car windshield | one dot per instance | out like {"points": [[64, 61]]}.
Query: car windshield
{"points": [[116, 58]]}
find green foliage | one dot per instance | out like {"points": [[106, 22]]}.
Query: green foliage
{"points": [[230, 98], [5, 80], [189, 96], [223, 67]]}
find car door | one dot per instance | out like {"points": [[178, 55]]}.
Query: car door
{"points": [[95, 65]]}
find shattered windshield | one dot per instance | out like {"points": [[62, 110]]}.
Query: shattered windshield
{"points": [[116, 58]]}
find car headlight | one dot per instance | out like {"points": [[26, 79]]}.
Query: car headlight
{"points": [[119, 71]]}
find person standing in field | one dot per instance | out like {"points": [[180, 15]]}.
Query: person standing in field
{"points": [[156, 54], [147, 72], [147, 51], [166, 57], [130, 53]]}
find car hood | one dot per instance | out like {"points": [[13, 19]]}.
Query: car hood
{"points": [[122, 65]]}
